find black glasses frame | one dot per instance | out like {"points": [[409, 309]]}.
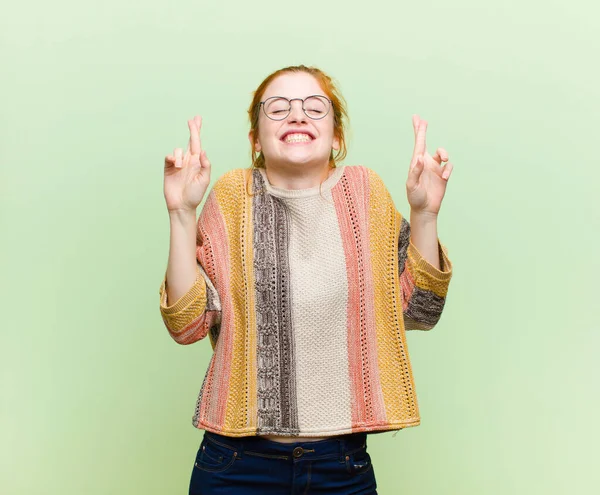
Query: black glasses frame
{"points": [[262, 104]]}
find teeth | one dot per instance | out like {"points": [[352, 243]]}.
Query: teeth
{"points": [[297, 138]]}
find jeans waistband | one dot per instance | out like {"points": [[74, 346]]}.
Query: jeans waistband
{"points": [[341, 445]]}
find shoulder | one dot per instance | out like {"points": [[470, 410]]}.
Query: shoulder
{"points": [[232, 186], [232, 179], [227, 193], [367, 176]]}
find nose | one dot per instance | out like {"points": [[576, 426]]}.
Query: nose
{"points": [[296, 112]]}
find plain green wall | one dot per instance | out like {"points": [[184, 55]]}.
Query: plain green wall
{"points": [[96, 398]]}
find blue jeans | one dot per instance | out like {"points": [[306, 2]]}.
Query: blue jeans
{"points": [[255, 465]]}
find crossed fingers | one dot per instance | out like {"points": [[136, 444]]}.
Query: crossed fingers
{"points": [[420, 149], [194, 146]]}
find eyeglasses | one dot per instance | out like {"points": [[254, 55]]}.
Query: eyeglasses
{"points": [[278, 108]]}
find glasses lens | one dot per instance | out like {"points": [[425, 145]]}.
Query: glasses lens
{"points": [[277, 108], [316, 107]]}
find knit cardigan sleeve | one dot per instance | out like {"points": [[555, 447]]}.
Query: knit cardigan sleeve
{"points": [[424, 287], [198, 311]]}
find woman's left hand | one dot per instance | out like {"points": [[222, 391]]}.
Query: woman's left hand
{"points": [[427, 179]]}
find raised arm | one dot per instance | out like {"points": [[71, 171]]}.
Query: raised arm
{"points": [[425, 269], [189, 303]]}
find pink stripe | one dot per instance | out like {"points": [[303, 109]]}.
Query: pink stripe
{"points": [[350, 196], [214, 401], [407, 286], [196, 330]]}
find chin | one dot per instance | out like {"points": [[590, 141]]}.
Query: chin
{"points": [[304, 157]]}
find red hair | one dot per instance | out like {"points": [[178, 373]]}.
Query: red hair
{"points": [[340, 115]]}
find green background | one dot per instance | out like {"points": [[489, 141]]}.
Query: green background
{"points": [[96, 398]]}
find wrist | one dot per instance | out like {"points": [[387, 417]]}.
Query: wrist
{"points": [[182, 215], [422, 216]]}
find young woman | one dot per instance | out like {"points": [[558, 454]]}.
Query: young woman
{"points": [[305, 277]]}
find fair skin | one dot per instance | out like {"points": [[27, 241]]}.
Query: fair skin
{"points": [[292, 166], [295, 165], [425, 189]]}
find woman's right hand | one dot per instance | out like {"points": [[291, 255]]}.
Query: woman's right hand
{"points": [[187, 176]]}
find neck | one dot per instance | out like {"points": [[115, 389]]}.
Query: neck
{"points": [[297, 176]]}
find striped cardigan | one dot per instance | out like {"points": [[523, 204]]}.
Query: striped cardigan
{"points": [[305, 296]]}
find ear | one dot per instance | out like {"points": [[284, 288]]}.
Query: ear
{"points": [[336, 143], [255, 145]]}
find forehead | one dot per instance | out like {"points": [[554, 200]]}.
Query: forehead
{"points": [[293, 85]]}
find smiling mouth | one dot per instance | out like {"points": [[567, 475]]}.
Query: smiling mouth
{"points": [[297, 138]]}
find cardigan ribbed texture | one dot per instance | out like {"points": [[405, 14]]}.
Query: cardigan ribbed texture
{"points": [[306, 296]]}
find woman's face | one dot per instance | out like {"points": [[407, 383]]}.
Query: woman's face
{"points": [[313, 140]]}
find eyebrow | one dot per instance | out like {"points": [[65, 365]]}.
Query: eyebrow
{"points": [[307, 96]]}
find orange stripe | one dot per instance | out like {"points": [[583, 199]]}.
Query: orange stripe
{"points": [[351, 202], [213, 403]]}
